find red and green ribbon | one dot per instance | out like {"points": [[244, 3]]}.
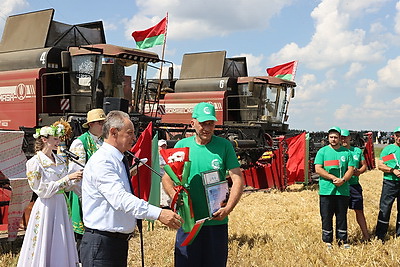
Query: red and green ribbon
{"points": [[185, 210]]}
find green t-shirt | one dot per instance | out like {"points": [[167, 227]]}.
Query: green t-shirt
{"points": [[390, 155], [216, 155], [358, 156], [336, 162]]}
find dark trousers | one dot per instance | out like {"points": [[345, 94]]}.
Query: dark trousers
{"points": [[390, 192], [102, 251], [78, 239], [329, 206], [209, 248]]}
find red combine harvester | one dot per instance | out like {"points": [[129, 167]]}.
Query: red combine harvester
{"points": [[250, 110], [50, 70]]}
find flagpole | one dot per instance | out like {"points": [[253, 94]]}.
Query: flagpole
{"points": [[296, 62], [162, 63]]}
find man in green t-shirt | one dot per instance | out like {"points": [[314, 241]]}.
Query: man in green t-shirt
{"points": [[389, 165], [334, 165], [356, 201], [207, 152]]}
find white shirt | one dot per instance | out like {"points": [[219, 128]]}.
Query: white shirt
{"points": [[107, 201]]}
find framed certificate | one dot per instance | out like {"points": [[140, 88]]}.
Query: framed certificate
{"points": [[210, 177], [217, 195]]}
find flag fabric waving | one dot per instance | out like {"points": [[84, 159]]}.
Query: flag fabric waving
{"points": [[152, 36], [154, 197], [141, 182], [285, 71]]}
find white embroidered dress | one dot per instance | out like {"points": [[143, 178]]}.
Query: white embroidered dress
{"points": [[49, 238]]}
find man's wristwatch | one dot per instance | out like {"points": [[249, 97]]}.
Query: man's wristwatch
{"points": [[391, 170]]}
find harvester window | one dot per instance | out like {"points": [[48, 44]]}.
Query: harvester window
{"points": [[86, 69], [112, 77]]}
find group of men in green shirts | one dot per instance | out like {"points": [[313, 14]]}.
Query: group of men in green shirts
{"points": [[339, 166]]}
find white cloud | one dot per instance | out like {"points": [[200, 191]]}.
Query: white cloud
{"points": [[309, 89], [366, 86], [365, 6], [389, 74], [193, 19], [109, 26], [343, 112], [334, 38], [254, 64], [9, 7], [354, 69], [397, 19]]}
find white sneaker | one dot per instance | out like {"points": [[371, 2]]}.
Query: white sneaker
{"points": [[329, 245]]}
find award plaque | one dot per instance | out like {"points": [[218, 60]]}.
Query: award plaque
{"points": [[217, 195], [210, 177]]}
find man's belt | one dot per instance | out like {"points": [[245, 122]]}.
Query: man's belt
{"points": [[110, 234]]}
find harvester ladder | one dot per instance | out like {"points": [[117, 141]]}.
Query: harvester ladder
{"points": [[152, 97]]}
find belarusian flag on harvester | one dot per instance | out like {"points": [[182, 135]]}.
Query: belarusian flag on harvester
{"points": [[285, 71], [152, 36]]}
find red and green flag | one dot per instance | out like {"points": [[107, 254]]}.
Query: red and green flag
{"points": [[389, 158], [141, 182], [285, 71], [332, 163], [152, 36], [193, 233]]}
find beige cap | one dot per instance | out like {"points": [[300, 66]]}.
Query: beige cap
{"points": [[93, 115]]}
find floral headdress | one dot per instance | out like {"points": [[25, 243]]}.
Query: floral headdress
{"points": [[67, 129], [46, 131]]}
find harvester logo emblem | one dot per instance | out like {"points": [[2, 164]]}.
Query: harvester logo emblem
{"points": [[21, 91], [355, 157], [207, 110]]}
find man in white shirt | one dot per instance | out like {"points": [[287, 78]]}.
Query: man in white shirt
{"points": [[109, 208]]}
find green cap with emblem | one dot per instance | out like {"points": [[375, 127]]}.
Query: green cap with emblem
{"points": [[344, 132], [334, 128], [396, 130], [204, 112]]}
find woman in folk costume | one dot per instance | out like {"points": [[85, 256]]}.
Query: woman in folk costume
{"points": [[49, 238]]}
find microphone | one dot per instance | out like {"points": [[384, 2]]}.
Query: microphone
{"points": [[70, 154], [139, 162]]}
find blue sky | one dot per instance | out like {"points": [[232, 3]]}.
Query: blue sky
{"points": [[348, 51]]}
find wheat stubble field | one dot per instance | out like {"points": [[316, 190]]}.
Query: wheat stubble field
{"points": [[275, 229]]}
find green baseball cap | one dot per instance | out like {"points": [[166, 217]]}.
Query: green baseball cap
{"points": [[204, 112], [334, 128], [344, 132], [396, 130]]}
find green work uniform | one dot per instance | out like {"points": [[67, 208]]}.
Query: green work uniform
{"points": [[358, 156], [219, 155], [343, 156]]}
